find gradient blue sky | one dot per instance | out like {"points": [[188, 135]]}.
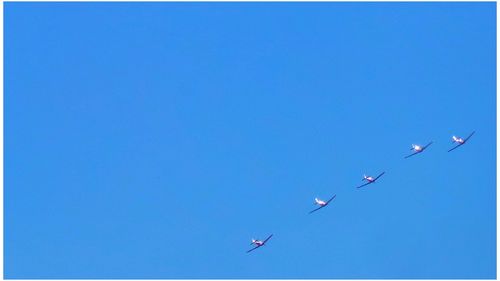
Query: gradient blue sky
{"points": [[154, 140]]}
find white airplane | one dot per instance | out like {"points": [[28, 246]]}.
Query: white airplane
{"points": [[460, 141], [321, 203], [258, 243], [369, 179], [418, 149]]}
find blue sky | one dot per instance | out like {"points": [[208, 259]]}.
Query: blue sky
{"points": [[154, 140]]}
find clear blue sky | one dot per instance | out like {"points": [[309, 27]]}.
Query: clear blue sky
{"points": [[154, 140]]}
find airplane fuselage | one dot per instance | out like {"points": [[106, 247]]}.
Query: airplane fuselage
{"points": [[320, 202], [417, 147], [258, 242]]}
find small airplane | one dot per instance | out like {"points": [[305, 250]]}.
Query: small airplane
{"points": [[460, 141], [418, 149], [258, 243], [370, 179], [321, 203]]}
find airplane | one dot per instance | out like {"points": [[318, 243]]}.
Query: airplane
{"points": [[418, 149], [370, 179], [460, 140], [321, 203], [258, 243]]}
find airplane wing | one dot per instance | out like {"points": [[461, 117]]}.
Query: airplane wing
{"points": [[426, 146], [253, 249], [264, 242], [331, 199], [469, 136], [455, 147], [364, 184], [379, 176], [316, 209], [416, 152]]}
